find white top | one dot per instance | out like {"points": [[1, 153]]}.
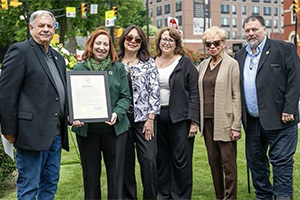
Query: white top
{"points": [[164, 75]]}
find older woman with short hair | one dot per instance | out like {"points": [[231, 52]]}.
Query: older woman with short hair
{"points": [[220, 112]]}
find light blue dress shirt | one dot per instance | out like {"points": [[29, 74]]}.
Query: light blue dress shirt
{"points": [[250, 70]]}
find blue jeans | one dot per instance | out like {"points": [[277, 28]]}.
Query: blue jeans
{"points": [[38, 172], [280, 146]]}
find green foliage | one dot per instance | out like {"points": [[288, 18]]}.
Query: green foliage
{"points": [[195, 57], [7, 166], [14, 29], [152, 30], [69, 57]]}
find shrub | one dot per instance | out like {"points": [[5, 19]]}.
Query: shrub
{"points": [[7, 166]]}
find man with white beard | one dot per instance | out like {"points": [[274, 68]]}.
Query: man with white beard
{"points": [[270, 87]]}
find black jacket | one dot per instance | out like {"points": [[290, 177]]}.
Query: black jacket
{"points": [[29, 100], [184, 94], [277, 84]]}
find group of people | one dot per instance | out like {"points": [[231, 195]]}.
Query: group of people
{"points": [[157, 105]]}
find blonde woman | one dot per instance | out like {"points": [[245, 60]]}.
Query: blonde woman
{"points": [[220, 112]]}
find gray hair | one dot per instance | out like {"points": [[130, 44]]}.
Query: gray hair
{"points": [[38, 13]]}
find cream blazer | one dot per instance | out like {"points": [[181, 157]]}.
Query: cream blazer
{"points": [[227, 103]]}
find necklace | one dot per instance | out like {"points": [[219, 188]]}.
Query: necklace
{"points": [[166, 61], [213, 64], [129, 61]]}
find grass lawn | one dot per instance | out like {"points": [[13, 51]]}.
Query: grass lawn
{"points": [[70, 186]]}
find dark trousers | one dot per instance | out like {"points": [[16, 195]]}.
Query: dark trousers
{"points": [[91, 149], [222, 161], [280, 146], [174, 158], [146, 154]]}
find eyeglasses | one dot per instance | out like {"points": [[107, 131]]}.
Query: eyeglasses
{"points": [[129, 38], [165, 40], [215, 43]]}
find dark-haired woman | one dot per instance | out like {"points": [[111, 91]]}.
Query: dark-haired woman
{"points": [[144, 83], [109, 138]]}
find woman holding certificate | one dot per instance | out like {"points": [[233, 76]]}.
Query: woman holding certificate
{"points": [[143, 76], [105, 138]]}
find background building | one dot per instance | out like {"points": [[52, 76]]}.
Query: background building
{"points": [[193, 15], [289, 23]]}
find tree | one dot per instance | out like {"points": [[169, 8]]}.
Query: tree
{"points": [[13, 28]]}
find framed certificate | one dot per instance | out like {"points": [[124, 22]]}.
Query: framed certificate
{"points": [[88, 96]]}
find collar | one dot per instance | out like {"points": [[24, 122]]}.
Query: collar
{"points": [[258, 49]]}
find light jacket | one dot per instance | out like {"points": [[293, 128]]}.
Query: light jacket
{"points": [[227, 100]]}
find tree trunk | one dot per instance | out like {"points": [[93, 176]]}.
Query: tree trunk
{"points": [[72, 39]]}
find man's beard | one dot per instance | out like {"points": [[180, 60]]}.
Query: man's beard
{"points": [[253, 42]]}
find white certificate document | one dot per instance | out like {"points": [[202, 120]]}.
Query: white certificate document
{"points": [[89, 99]]}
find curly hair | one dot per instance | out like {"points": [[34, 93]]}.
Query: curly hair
{"points": [[173, 34]]}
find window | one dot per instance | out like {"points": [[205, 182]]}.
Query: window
{"points": [[166, 22], [158, 10], [151, 12], [224, 9], [244, 10], [159, 23], [234, 22], [150, 2], [275, 1], [234, 35], [267, 1], [268, 23], [179, 20], [267, 11], [255, 1], [275, 11], [233, 9], [228, 34], [275, 23], [255, 10], [243, 35], [225, 22], [167, 8], [157, 1], [178, 6]]}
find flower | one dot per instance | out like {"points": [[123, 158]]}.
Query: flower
{"points": [[70, 58]]}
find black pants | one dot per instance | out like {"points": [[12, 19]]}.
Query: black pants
{"points": [[174, 158], [91, 149], [146, 154]]}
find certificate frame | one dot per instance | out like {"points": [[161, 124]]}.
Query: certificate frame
{"points": [[88, 96]]}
